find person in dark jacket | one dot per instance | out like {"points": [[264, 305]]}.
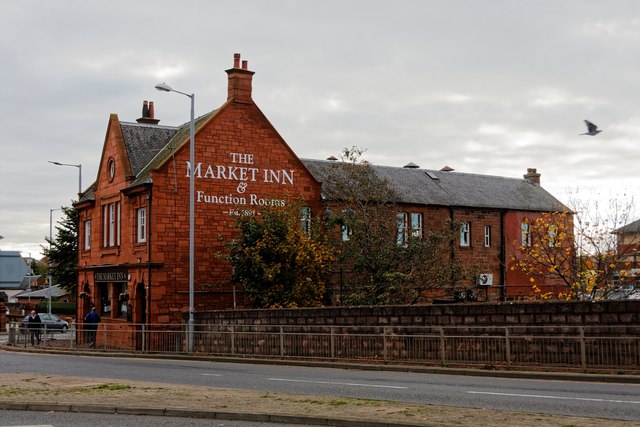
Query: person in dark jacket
{"points": [[91, 321], [34, 323]]}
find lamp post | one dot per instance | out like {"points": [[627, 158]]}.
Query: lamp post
{"points": [[166, 88], [79, 166], [49, 257]]}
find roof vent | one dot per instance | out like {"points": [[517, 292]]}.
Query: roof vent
{"points": [[447, 169], [411, 165], [432, 175]]}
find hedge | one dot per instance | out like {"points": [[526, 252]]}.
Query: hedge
{"points": [[68, 308]]}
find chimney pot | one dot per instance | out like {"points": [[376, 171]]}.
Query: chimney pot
{"points": [[145, 109], [148, 114], [236, 60]]}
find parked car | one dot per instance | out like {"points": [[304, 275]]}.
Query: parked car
{"points": [[50, 323]]}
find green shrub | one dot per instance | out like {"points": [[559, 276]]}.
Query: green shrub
{"points": [[57, 307]]}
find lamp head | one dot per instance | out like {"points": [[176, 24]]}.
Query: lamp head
{"points": [[55, 163], [163, 87]]}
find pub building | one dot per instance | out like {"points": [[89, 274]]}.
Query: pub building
{"points": [[133, 260]]}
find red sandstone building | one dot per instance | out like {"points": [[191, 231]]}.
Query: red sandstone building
{"points": [[134, 219]]}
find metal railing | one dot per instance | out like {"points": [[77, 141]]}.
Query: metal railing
{"points": [[585, 348]]}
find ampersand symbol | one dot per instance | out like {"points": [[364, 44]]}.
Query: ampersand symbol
{"points": [[242, 187]]}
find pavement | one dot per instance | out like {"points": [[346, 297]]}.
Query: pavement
{"points": [[27, 391]]}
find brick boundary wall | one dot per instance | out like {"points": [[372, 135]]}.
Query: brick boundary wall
{"points": [[574, 313]]}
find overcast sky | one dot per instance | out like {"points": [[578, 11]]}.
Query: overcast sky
{"points": [[488, 87]]}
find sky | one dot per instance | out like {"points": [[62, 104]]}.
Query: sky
{"points": [[488, 87]]}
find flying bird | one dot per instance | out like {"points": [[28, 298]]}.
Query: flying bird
{"points": [[591, 128]]}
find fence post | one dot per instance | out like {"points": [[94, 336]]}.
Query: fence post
{"points": [[507, 345], [384, 343], [144, 338], [332, 343], [442, 346], [583, 349], [104, 330], [233, 339], [281, 342]]}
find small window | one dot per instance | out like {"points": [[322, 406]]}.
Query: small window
{"points": [[305, 219], [87, 235], [345, 232], [141, 234], [401, 235], [553, 235], [416, 225], [525, 234], [487, 236], [465, 235]]}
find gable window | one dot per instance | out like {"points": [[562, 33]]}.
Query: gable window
{"points": [[141, 225], [305, 219], [87, 235], [487, 236], [416, 225], [111, 225], [401, 224], [525, 234], [465, 234]]}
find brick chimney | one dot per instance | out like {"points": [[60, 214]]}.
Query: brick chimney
{"points": [[148, 114], [532, 176], [239, 81]]}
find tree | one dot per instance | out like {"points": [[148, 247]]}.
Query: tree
{"points": [[279, 263], [578, 249], [387, 265], [63, 254]]}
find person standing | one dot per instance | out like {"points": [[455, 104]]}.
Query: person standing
{"points": [[34, 323], [91, 321]]}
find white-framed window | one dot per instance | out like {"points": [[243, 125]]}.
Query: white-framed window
{"points": [[111, 225], [416, 225], [305, 219], [487, 236], [465, 234], [87, 235], [141, 225], [401, 224], [525, 234]]}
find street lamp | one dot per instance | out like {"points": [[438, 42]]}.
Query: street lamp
{"points": [[79, 166], [166, 88], [49, 257]]}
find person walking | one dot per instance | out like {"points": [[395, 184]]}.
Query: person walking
{"points": [[34, 323], [91, 321]]}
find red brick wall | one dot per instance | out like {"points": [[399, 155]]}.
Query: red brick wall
{"points": [[238, 128]]}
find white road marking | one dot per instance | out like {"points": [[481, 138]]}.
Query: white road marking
{"points": [[585, 399], [212, 375], [334, 383]]}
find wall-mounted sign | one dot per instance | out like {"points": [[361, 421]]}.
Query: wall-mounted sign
{"points": [[110, 276], [243, 171]]}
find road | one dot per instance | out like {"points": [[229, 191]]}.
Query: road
{"points": [[586, 399], [74, 419]]}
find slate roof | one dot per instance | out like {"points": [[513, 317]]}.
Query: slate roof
{"points": [[434, 187], [56, 292], [143, 142], [632, 227], [148, 146]]}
